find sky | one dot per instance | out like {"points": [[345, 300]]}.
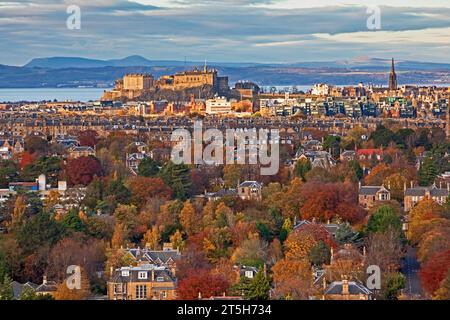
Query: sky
{"points": [[267, 31]]}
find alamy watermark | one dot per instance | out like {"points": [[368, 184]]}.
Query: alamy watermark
{"points": [[73, 282], [262, 146], [374, 20], [374, 277], [73, 22]]}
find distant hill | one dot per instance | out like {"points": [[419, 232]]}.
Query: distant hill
{"points": [[77, 72], [131, 61]]}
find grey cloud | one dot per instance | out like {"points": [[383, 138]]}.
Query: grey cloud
{"points": [[237, 32]]}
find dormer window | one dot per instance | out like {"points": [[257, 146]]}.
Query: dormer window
{"points": [[142, 275], [160, 279], [125, 273]]}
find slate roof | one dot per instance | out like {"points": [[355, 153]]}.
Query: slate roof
{"points": [[156, 257], [159, 272], [370, 190], [250, 184], [421, 191], [222, 193], [354, 288]]}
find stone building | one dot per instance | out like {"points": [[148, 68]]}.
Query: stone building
{"points": [[368, 195], [415, 194]]}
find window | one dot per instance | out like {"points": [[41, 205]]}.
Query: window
{"points": [[141, 292], [160, 279], [118, 288], [125, 273], [164, 294], [142, 275], [249, 274]]}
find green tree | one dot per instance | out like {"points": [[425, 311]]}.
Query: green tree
{"points": [[382, 136], [241, 288], [178, 178], [395, 283], [148, 168], [119, 191], [6, 289], [427, 172], [302, 167], [357, 168], [345, 234], [8, 172], [383, 219], [332, 143], [259, 287], [320, 254], [50, 166], [39, 231], [72, 221]]}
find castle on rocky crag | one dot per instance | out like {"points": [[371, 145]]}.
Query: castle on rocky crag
{"points": [[134, 85]]}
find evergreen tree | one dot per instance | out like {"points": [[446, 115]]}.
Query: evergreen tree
{"points": [[345, 234], [320, 254], [6, 289], [357, 168], [427, 172], [259, 287], [302, 167], [39, 231], [178, 178], [72, 221], [148, 168]]}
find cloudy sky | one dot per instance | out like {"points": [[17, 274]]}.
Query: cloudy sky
{"points": [[234, 30]]}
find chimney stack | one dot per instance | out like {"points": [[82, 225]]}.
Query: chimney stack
{"points": [[345, 289]]}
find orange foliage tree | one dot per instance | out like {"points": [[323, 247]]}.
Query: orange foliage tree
{"points": [[434, 271]]}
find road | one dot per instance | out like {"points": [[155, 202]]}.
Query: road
{"points": [[410, 268]]}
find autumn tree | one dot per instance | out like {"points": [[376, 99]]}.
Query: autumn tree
{"points": [[251, 252], [63, 292], [152, 238], [384, 249], [81, 171], [119, 236], [232, 175], [189, 218], [201, 283], [434, 271], [426, 215], [36, 144], [88, 138], [324, 202], [378, 174], [292, 279], [18, 214], [443, 293], [143, 188], [177, 241]]}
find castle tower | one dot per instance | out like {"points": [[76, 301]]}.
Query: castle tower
{"points": [[393, 78]]}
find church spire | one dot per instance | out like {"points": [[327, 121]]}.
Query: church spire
{"points": [[393, 78]]}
